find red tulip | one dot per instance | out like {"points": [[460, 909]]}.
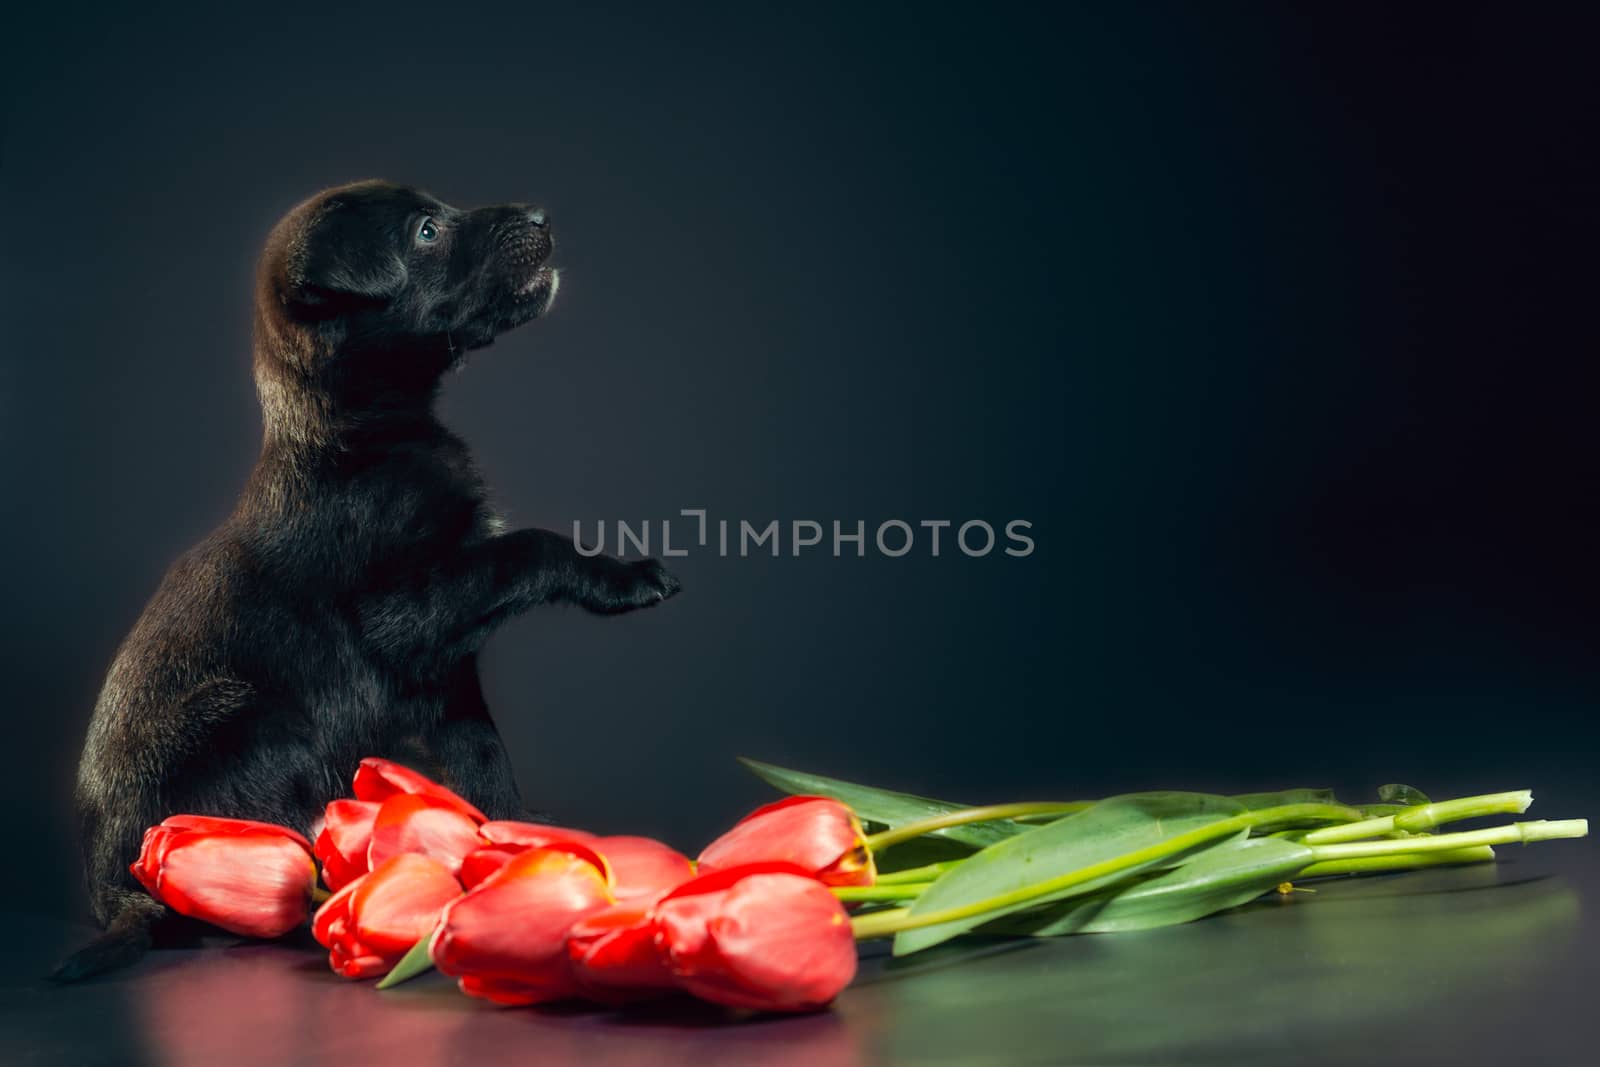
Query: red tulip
{"points": [[372, 922], [506, 838], [767, 937], [345, 838], [415, 815], [613, 956], [641, 867], [818, 834], [506, 940], [379, 779], [482, 862], [249, 878], [425, 824]]}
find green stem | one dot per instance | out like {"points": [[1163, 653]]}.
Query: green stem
{"points": [[413, 963], [881, 923], [1424, 817], [918, 874], [900, 891], [885, 923], [1517, 832], [906, 831], [319, 894], [1405, 861]]}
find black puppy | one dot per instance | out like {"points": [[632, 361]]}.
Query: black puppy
{"points": [[338, 613]]}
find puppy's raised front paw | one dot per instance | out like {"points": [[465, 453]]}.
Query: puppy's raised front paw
{"points": [[653, 583], [636, 585]]}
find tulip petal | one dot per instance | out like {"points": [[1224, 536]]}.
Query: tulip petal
{"points": [[370, 924], [817, 833], [379, 779], [796, 956], [642, 867], [694, 903], [331, 920], [531, 834], [365, 966], [345, 838], [481, 863], [508, 838], [507, 938], [159, 839], [613, 954], [147, 868], [758, 939], [252, 883], [399, 902], [212, 824], [421, 824]]}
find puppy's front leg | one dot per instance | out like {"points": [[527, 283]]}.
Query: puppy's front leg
{"points": [[450, 610], [475, 764], [540, 567]]}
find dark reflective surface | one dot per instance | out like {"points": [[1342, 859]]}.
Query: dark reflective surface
{"points": [[1464, 966]]}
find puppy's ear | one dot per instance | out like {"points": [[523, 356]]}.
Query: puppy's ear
{"points": [[345, 257]]}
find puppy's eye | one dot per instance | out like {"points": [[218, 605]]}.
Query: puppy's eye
{"points": [[428, 231]]}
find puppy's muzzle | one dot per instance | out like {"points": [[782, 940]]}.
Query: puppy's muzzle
{"points": [[526, 244]]}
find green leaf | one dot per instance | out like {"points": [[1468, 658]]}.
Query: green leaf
{"points": [[1224, 876], [413, 963], [1253, 801], [1116, 838], [883, 805], [1404, 795], [889, 808], [1378, 811]]}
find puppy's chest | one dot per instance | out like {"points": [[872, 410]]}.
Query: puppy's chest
{"points": [[390, 529], [407, 494]]}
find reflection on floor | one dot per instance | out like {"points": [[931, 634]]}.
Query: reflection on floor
{"points": [[1463, 965]]}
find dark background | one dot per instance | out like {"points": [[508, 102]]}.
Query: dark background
{"points": [[1278, 325]]}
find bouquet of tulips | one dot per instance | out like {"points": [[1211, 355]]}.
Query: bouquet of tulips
{"points": [[766, 917]]}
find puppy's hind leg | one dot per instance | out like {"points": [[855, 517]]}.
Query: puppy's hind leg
{"points": [[130, 929]]}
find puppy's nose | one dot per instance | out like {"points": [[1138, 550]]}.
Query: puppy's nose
{"points": [[538, 218]]}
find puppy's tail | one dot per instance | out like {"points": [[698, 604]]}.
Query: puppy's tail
{"points": [[127, 937]]}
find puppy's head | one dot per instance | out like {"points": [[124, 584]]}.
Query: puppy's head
{"points": [[389, 280]]}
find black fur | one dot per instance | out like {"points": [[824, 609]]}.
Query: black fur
{"points": [[338, 612]]}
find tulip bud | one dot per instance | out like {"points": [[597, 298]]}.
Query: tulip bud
{"points": [[372, 922], [818, 834], [342, 845], [765, 937], [506, 940], [505, 838], [379, 779], [641, 867], [424, 824], [250, 878], [613, 954]]}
